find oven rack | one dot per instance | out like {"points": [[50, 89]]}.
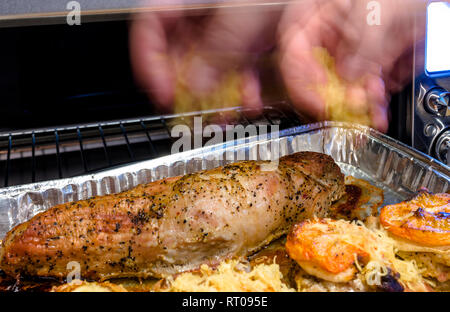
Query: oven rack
{"points": [[45, 154]]}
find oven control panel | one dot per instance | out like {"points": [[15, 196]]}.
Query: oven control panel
{"points": [[431, 106], [432, 120]]}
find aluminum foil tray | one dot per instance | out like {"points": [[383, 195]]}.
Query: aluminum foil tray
{"points": [[359, 151]]}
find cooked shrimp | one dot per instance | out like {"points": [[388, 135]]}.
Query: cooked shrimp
{"points": [[424, 220], [327, 248]]}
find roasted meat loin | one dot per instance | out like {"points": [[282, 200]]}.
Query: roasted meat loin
{"points": [[175, 224]]}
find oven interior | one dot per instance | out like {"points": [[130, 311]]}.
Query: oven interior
{"points": [[71, 106]]}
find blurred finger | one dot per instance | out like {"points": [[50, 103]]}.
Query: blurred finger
{"points": [[251, 93], [376, 90], [379, 118], [201, 77], [150, 60], [401, 72], [302, 74], [376, 95], [357, 98]]}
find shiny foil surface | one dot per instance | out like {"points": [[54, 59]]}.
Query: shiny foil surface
{"points": [[360, 151]]}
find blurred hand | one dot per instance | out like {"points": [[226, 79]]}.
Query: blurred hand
{"points": [[204, 49], [372, 60]]}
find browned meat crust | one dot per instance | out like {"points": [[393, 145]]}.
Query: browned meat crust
{"points": [[175, 224]]}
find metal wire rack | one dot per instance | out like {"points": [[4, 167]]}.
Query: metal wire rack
{"points": [[61, 152]]}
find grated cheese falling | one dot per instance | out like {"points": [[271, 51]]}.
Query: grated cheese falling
{"points": [[340, 103]]}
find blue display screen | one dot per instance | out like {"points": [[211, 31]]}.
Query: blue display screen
{"points": [[437, 60]]}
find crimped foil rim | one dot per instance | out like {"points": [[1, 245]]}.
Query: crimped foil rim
{"points": [[433, 164]]}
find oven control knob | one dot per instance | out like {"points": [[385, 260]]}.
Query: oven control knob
{"points": [[437, 102], [442, 148], [430, 130]]}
